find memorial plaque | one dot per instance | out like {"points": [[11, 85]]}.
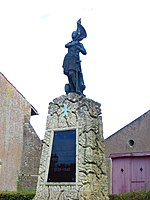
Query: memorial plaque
{"points": [[62, 166]]}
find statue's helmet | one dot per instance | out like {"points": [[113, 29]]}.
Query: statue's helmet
{"points": [[74, 35]]}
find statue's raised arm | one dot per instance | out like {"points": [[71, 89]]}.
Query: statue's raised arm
{"points": [[72, 62]]}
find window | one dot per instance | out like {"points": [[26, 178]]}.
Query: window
{"points": [[131, 142]]}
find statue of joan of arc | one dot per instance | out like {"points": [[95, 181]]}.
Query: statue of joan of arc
{"points": [[72, 62]]}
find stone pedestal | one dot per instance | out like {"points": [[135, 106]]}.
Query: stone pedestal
{"points": [[76, 112]]}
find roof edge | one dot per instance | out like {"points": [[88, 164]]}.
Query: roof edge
{"points": [[132, 154], [33, 110]]}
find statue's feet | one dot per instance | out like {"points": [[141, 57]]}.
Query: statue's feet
{"points": [[67, 88]]}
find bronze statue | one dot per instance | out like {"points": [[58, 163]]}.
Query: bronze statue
{"points": [[72, 62]]}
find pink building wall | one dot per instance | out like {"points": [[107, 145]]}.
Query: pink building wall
{"points": [[133, 138]]}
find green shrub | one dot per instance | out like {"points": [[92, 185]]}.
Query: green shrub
{"points": [[17, 195], [131, 196], [29, 195]]}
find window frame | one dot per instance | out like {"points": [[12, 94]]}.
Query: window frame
{"points": [[51, 140]]}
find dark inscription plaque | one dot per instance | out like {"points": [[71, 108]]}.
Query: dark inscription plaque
{"points": [[63, 157]]}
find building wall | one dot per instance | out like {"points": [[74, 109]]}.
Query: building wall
{"points": [[32, 148], [138, 132], [14, 110]]}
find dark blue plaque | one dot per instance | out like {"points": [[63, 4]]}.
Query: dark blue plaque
{"points": [[63, 157]]}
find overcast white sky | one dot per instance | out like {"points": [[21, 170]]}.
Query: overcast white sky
{"points": [[33, 34]]}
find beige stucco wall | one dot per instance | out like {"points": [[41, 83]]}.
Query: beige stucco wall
{"points": [[138, 131], [14, 110]]}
